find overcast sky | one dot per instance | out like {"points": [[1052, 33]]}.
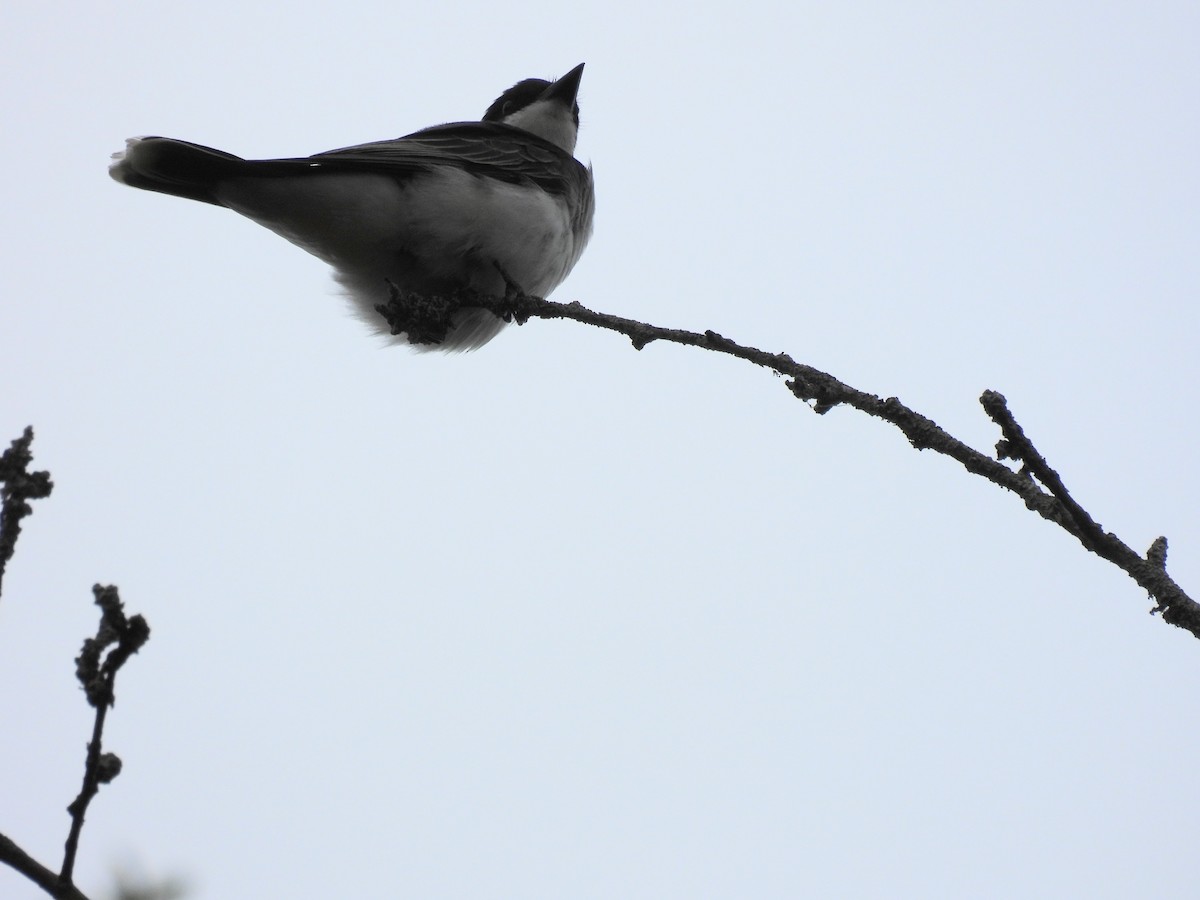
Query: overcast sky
{"points": [[561, 619]]}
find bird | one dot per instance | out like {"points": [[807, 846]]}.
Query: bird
{"points": [[467, 206]]}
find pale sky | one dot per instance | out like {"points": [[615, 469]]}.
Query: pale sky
{"points": [[558, 619]]}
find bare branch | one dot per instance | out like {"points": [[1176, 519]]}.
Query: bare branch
{"points": [[14, 856], [426, 320], [97, 672], [97, 678]]}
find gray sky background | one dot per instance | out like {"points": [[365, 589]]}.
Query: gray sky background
{"points": [[562, 619]]}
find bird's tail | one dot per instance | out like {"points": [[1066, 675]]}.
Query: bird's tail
{"points": [[175, 167]]}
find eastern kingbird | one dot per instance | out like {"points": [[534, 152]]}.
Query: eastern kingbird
{"points": [[447, 209]]}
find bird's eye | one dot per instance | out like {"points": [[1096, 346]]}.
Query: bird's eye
{"points": [[507, 108]]}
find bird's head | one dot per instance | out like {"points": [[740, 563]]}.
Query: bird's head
{"points": [[545, 108]]}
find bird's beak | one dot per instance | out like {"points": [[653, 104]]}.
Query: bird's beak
{"points": [[565, 89]]}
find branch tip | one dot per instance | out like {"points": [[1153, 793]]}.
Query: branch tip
{"points": [[17, 487], [1157, 554]]}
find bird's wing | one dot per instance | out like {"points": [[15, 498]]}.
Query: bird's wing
{"points": [[487, 149]]}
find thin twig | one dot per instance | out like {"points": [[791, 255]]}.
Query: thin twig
{"points": [[1036, 483], [96, 671], [97, 677]]}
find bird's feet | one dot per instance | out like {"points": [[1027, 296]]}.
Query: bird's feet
{"points": [[424, 319], [515, 299]]}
